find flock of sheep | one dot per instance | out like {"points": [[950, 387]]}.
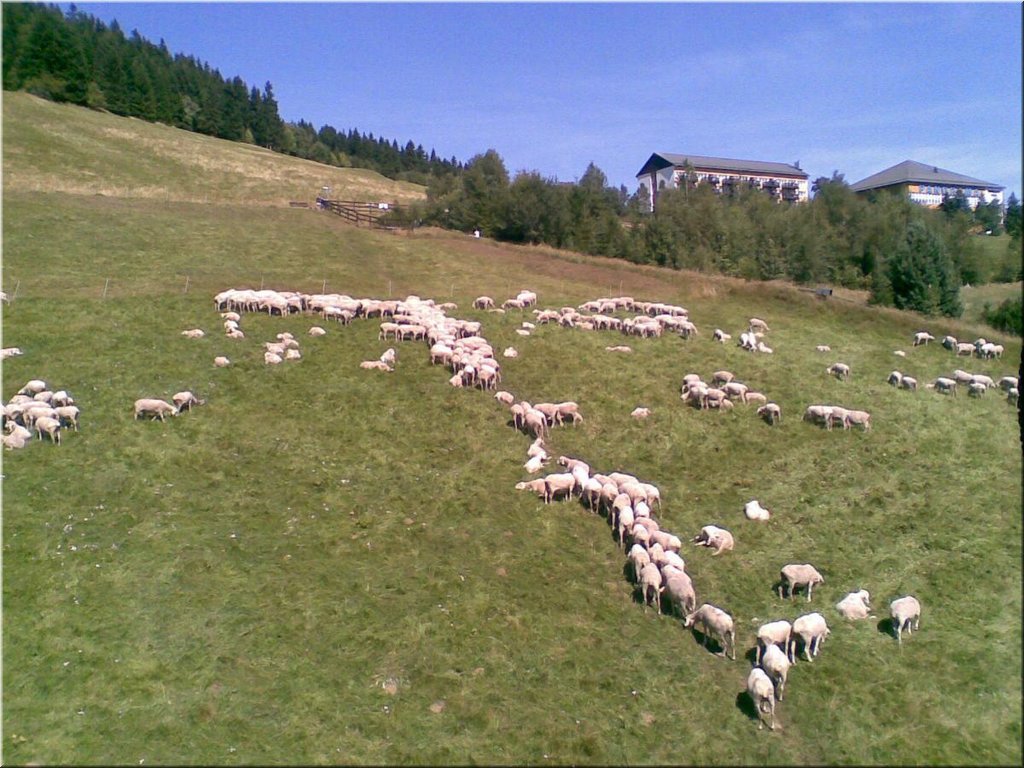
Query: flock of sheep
{"points": [[627, 502]]}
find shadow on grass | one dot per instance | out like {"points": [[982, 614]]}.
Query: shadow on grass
{"points": [[751, 656], [886, 627], [708, 642], [745, 704]]}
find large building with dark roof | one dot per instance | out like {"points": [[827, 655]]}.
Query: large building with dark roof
{"points": [[665, 170], [928, 185]]}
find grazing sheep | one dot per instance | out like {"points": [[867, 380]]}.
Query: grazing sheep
{"points": [[713, 536], [776, 663], [819, 414], [754, 511], [922, 337], [976, 389], [774, 633], [855, 605], [33, 387], [154, 408], [651, 584], [762, 693], [504, 397], [812, 630], [770, 412], [908, 382], [640, 558], [965, 348], [221, 362], [860, 418], [756, 324], [567, 409], [755, 397], [943, 385], [68, 415], [714, 621], [1012, 395], [678, 587], [184, 401], [193, 333], [1007, 383], [823, 348], [839, 370], [272, 358], [559, 483], [640, 413], [721, 377], [906, 614], [483, 302], [796, 575], [50, 426], [895, 378]]}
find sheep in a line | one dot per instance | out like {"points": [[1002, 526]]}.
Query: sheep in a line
{"points": [[678, 591], [558, 484], [943, 386], [922, 337], [949, 342], [154, 408], [812, 630], [776, 663], [797, 575], [538, 486], [965, 348], [713, 621], [774, 633], [762, 693], [755, 397], [855, 606], [908, 382], [638, 557], [906, 615], [820, 414], [651, 585], [1006, 383], [858, 418]]}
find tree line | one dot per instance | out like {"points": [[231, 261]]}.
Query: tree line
{"points": [[906, 256], [76, 58]]}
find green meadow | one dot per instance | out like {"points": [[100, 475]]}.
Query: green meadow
{"points": [[326, 565]]}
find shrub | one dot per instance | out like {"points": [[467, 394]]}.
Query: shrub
{"points": [[1007, 316]]}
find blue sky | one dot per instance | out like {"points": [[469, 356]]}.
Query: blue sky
{"points": [[551, 87]]}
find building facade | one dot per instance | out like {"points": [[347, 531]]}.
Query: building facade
{"points": [[663, 170], [929, 185]]}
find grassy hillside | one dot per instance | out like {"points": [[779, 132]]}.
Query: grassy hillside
{"points": [[52, 147], [330, 565]]}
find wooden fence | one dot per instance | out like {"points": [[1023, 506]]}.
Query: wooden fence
{"points": [[355, 211]]}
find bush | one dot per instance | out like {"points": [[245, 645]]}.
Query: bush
{"points": [[1007, 316]]}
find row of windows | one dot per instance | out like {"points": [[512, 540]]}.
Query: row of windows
{"points": [[929, 189]]}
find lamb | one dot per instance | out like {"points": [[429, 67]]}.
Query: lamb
{"points": [[775, 662], [721, 335], [535, 463], [154, 408], [651, 584], [640, 413], [908, 382], [772, 634], [839, 370], [860, 418], [754, 511], [770, 412], [714, 621], [906, 614], [713, 536], [965, 348], [756, 324], [221, 362], [764, 348], [855, 605], [193, 333], [721, 377], [316, 330], [390, 357], [755, 397], [796, 575], [510, 352], [895, 378], [272, 358], [184, 401], [680, 591], [823, 348], [483, 302], [922, 337], [536, 448], [812, 630], [762, 693], [976, 389], [375, 365]]}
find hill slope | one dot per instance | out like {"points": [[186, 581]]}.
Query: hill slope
{"points": [[324, 564], [52, 147]]}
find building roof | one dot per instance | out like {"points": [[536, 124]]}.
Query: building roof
{"points": [[661, 160], [911, 172]]}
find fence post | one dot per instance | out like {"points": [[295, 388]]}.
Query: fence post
{"points": [[389, 289], [186, 283], [324, 288], [16, 287], [261, 281], [105, 284]]}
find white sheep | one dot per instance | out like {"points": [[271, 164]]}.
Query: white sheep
{"points": [[1006, 383], [776, 664], [770, 412], [510, 352], [839, 370], [651, 584], [713, 536], [639, 557], [154, 408], [943, 385], [535, 463], [679, 589], [640, 413], [1012, 395], [714, 621], [756, 324], [193, 333], [774, 633], [895, 378], [559, 483], [50, 426], [10, 352], [538, 486], [823, 348], [272, 358], [221, 362], [754, 511], [762, 693], [68, 415], [922, 337], [908, 382], [721, 335], [860, 418], [799, 575], [812, 629], [316, 330], [184, 401], [504, 397], [855, 605], [906, 615]]}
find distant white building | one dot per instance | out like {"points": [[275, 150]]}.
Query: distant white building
{"points": [[928, 185], [665, 170]]}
